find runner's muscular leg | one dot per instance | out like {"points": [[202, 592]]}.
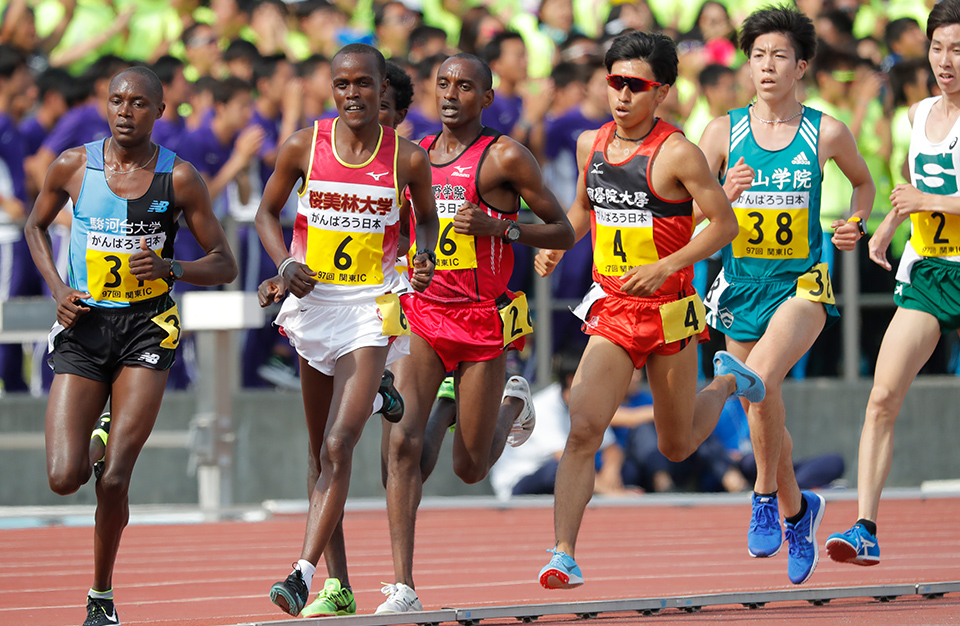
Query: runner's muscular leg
{"points": [[907, 344], [418, 377], [482, 423], [135, 403], [597, 390], [789, 335], [356, 379], [683, 417], [73, 407]]}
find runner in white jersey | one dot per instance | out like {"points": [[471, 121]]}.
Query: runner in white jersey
{"points": [[342, 315], [928, 280]]}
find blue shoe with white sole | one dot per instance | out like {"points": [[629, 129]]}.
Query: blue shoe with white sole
{"points": [[562, 572], [803, 550], [749, 383], [856, 546]]}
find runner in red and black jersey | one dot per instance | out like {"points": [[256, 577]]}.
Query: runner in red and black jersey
{"points": [[640, 178], [467, 319]]}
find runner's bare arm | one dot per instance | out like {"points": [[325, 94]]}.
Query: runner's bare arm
{"points": [[418, 177], [714, 143]]}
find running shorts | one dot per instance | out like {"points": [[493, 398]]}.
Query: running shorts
{"points": [[934, 288]]}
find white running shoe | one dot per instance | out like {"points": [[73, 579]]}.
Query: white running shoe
{"points": [[400, 599], [517, 387]]}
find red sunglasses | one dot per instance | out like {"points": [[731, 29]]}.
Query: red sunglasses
{"points": [[634, 83]]}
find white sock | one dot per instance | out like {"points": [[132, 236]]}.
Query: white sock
{"points": [[307, 569], [377, 403], [101, 595]]}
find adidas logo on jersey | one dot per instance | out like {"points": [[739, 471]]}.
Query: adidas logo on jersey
{"points": [[801, 159], [158, 206]]}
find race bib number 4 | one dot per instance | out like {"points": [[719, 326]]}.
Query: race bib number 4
{"points": [[773, 225], [624, 240], [815, 285], [454, 251], [345, 249], [391, 312], [169, 321], [516, 319], [108, 267], [684, 318], [936, 234]]}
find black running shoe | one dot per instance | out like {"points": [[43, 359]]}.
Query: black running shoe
{"points": [[392, 409], [290, 594], [101, 612], [102, 432]]}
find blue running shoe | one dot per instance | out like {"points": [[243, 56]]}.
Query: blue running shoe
{"points": [[855, 546], [765, 535], [749, 383], [562, 572], [803, 551]]}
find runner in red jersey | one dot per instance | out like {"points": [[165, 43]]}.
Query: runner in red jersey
{"points": [[342, 316], [636, 196], [466, 319]]}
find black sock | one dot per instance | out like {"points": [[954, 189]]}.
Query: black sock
{"points": [[870, 526], [803, 510], [765, 495]]}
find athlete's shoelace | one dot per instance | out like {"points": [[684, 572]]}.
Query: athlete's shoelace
{"points": [[765, 515], [796, 541]]}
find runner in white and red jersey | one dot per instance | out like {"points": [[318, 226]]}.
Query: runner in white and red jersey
{"points": [[342, 315], [466, 320]]}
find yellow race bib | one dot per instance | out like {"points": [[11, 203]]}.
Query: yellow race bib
{"points": [[516, 319], [108, 267], [454, 251], [169, 321], [683, 318], [815, 285], [773, 225], [935, 234], [391, 312], [345, 249], [624, 240]]}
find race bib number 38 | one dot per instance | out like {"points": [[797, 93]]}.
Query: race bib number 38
{"points": [[624, 241], [108, 267], [345, 249], [773, 225], [815, 285], [454, 251]]}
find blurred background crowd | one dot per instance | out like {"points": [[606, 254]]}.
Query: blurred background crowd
{"points": [[240, 76]]}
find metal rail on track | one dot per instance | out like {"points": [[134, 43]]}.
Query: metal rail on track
{"points": [[527, 613]]}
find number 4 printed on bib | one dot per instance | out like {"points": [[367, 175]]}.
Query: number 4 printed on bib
{"points": [[681, 319]]}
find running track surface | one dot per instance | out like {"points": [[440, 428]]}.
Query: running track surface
{"points": [[219, 573]]}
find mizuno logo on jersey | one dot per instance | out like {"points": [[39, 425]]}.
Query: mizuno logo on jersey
{"points": [[375, 176], [461, 171], [801, 159], [596, 168], [158, 206]]}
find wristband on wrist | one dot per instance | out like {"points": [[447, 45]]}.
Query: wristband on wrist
{"points": [[284, 265], [859, 223]]}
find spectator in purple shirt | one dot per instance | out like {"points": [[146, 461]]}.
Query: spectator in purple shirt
{"points": [[423, 117], [169, 130], [54, 86], [314, 71], [506, 54]]}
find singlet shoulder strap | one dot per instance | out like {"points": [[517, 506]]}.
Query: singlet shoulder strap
{"points": [[95, 154], [165, 161]]}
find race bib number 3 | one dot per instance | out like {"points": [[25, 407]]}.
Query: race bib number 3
{"points": [[624, 241], [936, 234], [516, 319], [454, 251], [815, 285], [684, 318], [773, 225], [108, 268], [169, 321], [391, 312], [345, 249]]}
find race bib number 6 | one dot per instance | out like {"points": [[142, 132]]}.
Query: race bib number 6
{"points": [[624, 240], [108, 268], [391, 312], [345, 249], [454, 251], [516, 319], [681, 319]]}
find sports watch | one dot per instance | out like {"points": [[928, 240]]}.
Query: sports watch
{"points": [[176, 270], [512, 233], [859, 223], [431, 255]]}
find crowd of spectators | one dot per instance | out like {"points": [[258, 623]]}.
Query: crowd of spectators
{"points": [[240, 76]]}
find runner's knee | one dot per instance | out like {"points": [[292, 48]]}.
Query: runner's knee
{"points": [[469, 471], [884, 404], [585, 437], [65, 480]]}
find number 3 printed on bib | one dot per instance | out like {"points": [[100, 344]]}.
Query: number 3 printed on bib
{"points": [[815, 285], [169, 321], [681, 319], [108, 268]]}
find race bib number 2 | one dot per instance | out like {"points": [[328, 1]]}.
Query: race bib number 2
{"points": [[516, 319]]}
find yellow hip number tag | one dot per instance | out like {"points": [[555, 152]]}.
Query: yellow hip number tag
{"points": [[815, 285], [516, 319], [683, 318], [454, 251], [391, 312], [169, 321]]}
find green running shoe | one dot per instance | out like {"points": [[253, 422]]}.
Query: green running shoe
{"points": [[101, 432], [331, 600]]}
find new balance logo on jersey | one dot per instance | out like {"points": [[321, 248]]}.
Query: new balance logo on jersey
{"points": [[158, 206], [953, 143], [376, 176], [596, 168], [149, 357], [461, 171], [801, 159]]}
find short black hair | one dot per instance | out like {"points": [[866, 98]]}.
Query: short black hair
{"points": [[902, 74], [895, 29], [830, 59], [55, 79], [424, 33], [148, 80], [166, 68], [266, 67], [190, 31], [943, 14], [310, 64], [402, 86], [486, 75], [225, 90], [780, 19], [241, 49], [656, 49], [305, 8], [494, 48], [425, 67], [362, 48], [107, 66], [712, 73], [565, 73], [11, 60], [840, 20]]}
